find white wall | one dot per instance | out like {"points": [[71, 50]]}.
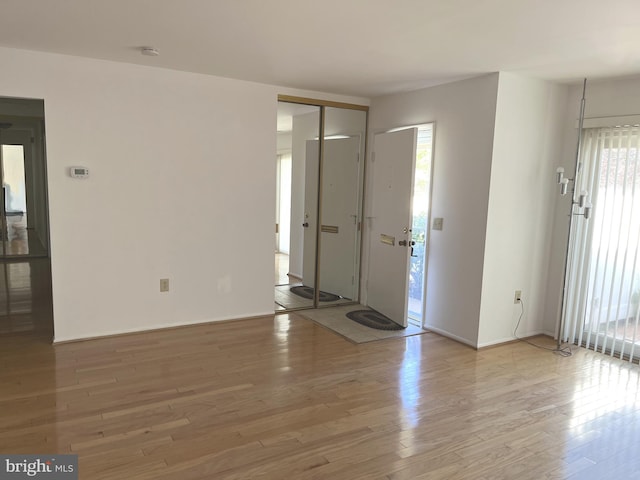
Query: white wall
{"points": [[604, 98], [464, 115], [284, 142], [182, 186], [528, 142], [175, 145]]}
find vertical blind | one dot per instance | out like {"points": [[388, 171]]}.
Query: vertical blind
{"points": [[602, 303]]}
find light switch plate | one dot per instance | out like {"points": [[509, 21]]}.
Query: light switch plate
{"points": [[437, 223]]}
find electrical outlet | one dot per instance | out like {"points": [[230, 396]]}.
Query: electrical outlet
{"points": [[517, 298], [164, 284]]}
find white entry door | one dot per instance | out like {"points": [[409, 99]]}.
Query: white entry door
{"points": [[392, 170]]}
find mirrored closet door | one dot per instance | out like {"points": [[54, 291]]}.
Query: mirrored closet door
{"points": [[320, 170]]}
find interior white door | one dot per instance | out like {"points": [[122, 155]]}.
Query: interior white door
{"points": [[338, 237], [392, 170]]}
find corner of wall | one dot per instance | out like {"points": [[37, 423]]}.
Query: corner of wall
{"points": [[527, 143], [464, 117]]}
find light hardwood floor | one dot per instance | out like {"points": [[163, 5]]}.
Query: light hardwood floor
{"points": [[282, 398], [25, 297]]}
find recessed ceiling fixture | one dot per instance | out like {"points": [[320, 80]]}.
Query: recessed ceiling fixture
{"points": [[149, 51]]}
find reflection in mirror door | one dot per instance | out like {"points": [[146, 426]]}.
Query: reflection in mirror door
{"points": [[341, 179], [296, 209], [310, 214], [338, 237], [325, 179]]}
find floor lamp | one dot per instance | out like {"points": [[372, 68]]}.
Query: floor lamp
{"points": [[584, 209]]}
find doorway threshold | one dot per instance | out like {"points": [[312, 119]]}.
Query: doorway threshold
{"points": [[335, 319]]}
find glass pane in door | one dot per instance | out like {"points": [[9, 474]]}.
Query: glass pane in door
{"points": [[14, 201]]}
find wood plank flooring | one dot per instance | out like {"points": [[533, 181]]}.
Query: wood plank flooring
{"points": [[282, 398]]}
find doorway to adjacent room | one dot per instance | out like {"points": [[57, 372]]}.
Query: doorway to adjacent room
{"points": [[25, 268]]}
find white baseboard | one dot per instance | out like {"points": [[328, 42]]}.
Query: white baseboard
{"points": [[153, 328], [444, 333], [511, 339]]}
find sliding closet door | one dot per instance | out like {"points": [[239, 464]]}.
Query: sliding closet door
{"points": [[326, 145]]}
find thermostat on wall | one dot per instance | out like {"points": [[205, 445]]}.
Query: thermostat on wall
{"points": [[79, 172]]}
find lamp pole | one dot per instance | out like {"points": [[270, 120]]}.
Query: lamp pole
{"points": [[578, 165]]}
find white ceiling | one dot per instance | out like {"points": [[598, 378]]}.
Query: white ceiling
{"points": [[355, 47]]}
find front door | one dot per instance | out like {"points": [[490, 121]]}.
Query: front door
{"points": [[392, 170]]}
